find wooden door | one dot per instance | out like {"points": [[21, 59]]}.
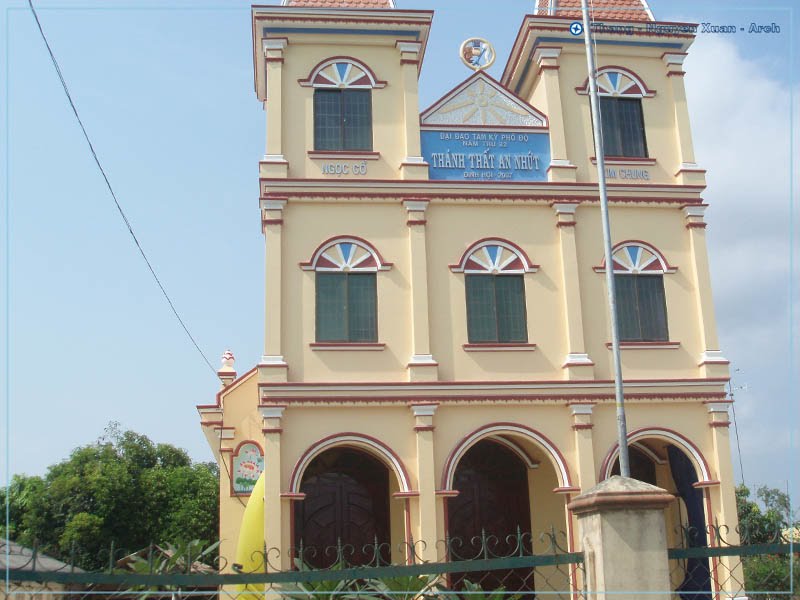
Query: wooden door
{"points": [[493, 501], [347, 502]]}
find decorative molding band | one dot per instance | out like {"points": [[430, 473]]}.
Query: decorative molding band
{"points": [[343, 155], [272, 430], [272, 221], [646, 345], [293, 496], [424, 410], [696, 225], [416, 222], [577, 359], [271, 412], [275, 360], [447, 493], [499, 347], [566, 223], [273, 59], [625, 160], [713, 357], [719, 424], [340, 346], [409, 61], [676, 73], [408, 494], [566, 490], [582, 426], [549, 67], [422, 360], [705, 484], [424, 427]]}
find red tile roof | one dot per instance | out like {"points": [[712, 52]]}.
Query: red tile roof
{"points": [[624, 10], [341, 3]]}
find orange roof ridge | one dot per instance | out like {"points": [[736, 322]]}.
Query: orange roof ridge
{"points": [[618, 10], [340, 3]]}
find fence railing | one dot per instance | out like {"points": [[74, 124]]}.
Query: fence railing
{"points": [[759, 564], [506, 566]]}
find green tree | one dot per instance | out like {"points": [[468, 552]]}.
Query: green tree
{"points": [[766, 573], [122, 488]]}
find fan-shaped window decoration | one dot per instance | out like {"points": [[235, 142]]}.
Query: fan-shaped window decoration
{"points": [[341, 72], [494, 256], [248, 464], [641, 302], [346, 253], [618, 82], [637, 257]]}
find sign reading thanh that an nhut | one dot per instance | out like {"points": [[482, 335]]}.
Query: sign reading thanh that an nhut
{"points": [[480, 131]]}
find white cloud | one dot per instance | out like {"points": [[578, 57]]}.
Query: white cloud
{"points": [[740, 120]]}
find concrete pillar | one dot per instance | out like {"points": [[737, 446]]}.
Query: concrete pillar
{"points": [[413, 165], [711, 361], [730, 575], [584, 443], [421, 365], [577, 364], [561, 169], [426, 480], [273, 503], [688, 172], [272, 367], [623, 537], [274, 162]]}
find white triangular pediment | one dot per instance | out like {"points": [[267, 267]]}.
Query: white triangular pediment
{"points": [[482, 101]]}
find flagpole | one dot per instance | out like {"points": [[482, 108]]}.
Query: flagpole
{"points": [[622, 428]]}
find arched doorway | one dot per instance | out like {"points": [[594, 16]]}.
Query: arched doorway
{"points": [[667, 466], [346, 505], [492, 506]]}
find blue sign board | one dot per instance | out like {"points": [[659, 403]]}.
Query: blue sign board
{"points": [[482, 155]]}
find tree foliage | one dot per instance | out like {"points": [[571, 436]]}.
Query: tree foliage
{"points": [[122, 488], [766, 573]]}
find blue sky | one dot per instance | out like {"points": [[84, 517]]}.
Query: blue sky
{"points": [[166, 93]]}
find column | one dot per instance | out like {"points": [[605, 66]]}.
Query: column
{"points": [[584, 443], [426, 480], [723, 497], [711, 361], [274, 163], [560, 169], [421, 365], [623, 538], [577, 364], [273, 504], [413, 165], [688, 172], [272, 368]]}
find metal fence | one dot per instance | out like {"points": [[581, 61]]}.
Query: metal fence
{"points": [[486, 567], [737, 563]]}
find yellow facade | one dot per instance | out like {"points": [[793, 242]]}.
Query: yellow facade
{"points": [[421, 395]]}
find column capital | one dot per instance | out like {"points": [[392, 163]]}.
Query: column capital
{"points": [[424, 410], [674, 58], [271, 412], [277, 44], [406, 47], [416, 204], [547, 56], [273, 203]]}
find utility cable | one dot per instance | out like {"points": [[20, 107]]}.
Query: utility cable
{"points": [[111, 190]]}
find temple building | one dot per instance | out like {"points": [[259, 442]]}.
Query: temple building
{"points": [[436, 344]]}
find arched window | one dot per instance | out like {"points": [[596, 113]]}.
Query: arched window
{"points": [[342, 104], [346, 290], [495, 291], [641, 303], [621, 92]]}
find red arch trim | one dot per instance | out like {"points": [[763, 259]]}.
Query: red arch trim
{"points": [[646, 92], [666, 267], [374, 81], [528, 265], [694, 454], [311, 264], [485, 431], [350, 439]]}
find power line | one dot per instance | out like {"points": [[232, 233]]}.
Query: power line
{"points": [[111, 190]]}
